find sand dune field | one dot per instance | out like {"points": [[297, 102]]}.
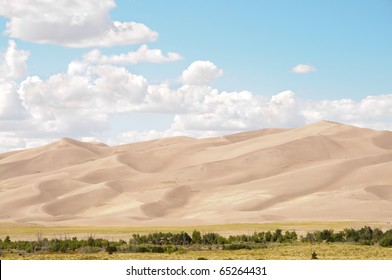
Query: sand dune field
{"points": [[323, 171]]}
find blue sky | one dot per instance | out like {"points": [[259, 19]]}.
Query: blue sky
{"points": [[234, 66], [257, 42]]}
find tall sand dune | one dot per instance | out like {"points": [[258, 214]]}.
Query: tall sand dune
{"points": [[323, 171]]}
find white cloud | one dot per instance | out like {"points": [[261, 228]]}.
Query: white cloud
{"points": [[372, 111], [83, 99], [10, 104], [12, 67], [83, 102], [238, 111], [142, 54], [201, 73], [13, 63], [79, 24], [10, 141], [137, 136], [14, 141], [303, 69], [146, 135], [225, 113]]}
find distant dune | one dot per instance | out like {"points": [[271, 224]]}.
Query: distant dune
{"points": [[323, 171]]}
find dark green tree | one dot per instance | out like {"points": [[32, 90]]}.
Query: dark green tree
{"points": [[196, 237], [386, 239], [111, 249]]}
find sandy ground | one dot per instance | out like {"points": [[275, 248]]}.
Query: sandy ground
{"points": [[324, 171]]}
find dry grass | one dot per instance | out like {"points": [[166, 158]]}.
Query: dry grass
{"points": [[297, 251]]}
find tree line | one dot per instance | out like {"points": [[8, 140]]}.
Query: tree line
{"points": [[365, 236], [161, 242]]}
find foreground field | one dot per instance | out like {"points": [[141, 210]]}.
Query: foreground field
{"points": [[295, 251]]}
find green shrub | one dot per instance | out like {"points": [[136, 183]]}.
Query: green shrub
{"points": [[196, 237], [142, 249], [238, 246], [111, 249], [170, 249], [386, 239], [157, 249], [212, 239], [89, 250], [351, 235], [325, 235]]}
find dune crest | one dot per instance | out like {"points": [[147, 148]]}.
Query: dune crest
{"points": [[323, 171]]}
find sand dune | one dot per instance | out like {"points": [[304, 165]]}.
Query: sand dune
{"points": [[323, 171]]}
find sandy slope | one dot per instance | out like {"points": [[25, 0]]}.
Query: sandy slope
{"points": [[324, 171]]}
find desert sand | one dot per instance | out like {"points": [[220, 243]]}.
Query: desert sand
{"points": [[323, 171]]}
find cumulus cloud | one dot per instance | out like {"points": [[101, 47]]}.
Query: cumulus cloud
{"points": [[83, 101], [13, 63], [372, 111], [14, 141], [239, 111], [142, 54], [303, 69], [79, 24], [222, 113], [152, 134], [12, 67], [201, 73], [10, 104]]}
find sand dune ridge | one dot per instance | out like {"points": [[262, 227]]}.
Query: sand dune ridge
{"points": [[323, 171]]}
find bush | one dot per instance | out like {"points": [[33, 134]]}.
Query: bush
{"points": [[141, 249], [309, 237], [386, 239], [170, 249], [236, 246], [351, 235], [196, 237], [377, 235], [338, 237], [111, 249], [89, 250], [290, 236], [211, 238], [325, 235], [277, 236], [181, 238], [268, 236], [63, 247], [157, 249]]}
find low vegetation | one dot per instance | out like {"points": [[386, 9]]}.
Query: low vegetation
{"points": [[196, 244]]}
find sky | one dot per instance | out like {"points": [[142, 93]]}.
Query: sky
{"points": [[132, 70]]}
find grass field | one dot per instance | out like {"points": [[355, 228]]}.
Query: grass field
{"points": [[295, 251]]}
